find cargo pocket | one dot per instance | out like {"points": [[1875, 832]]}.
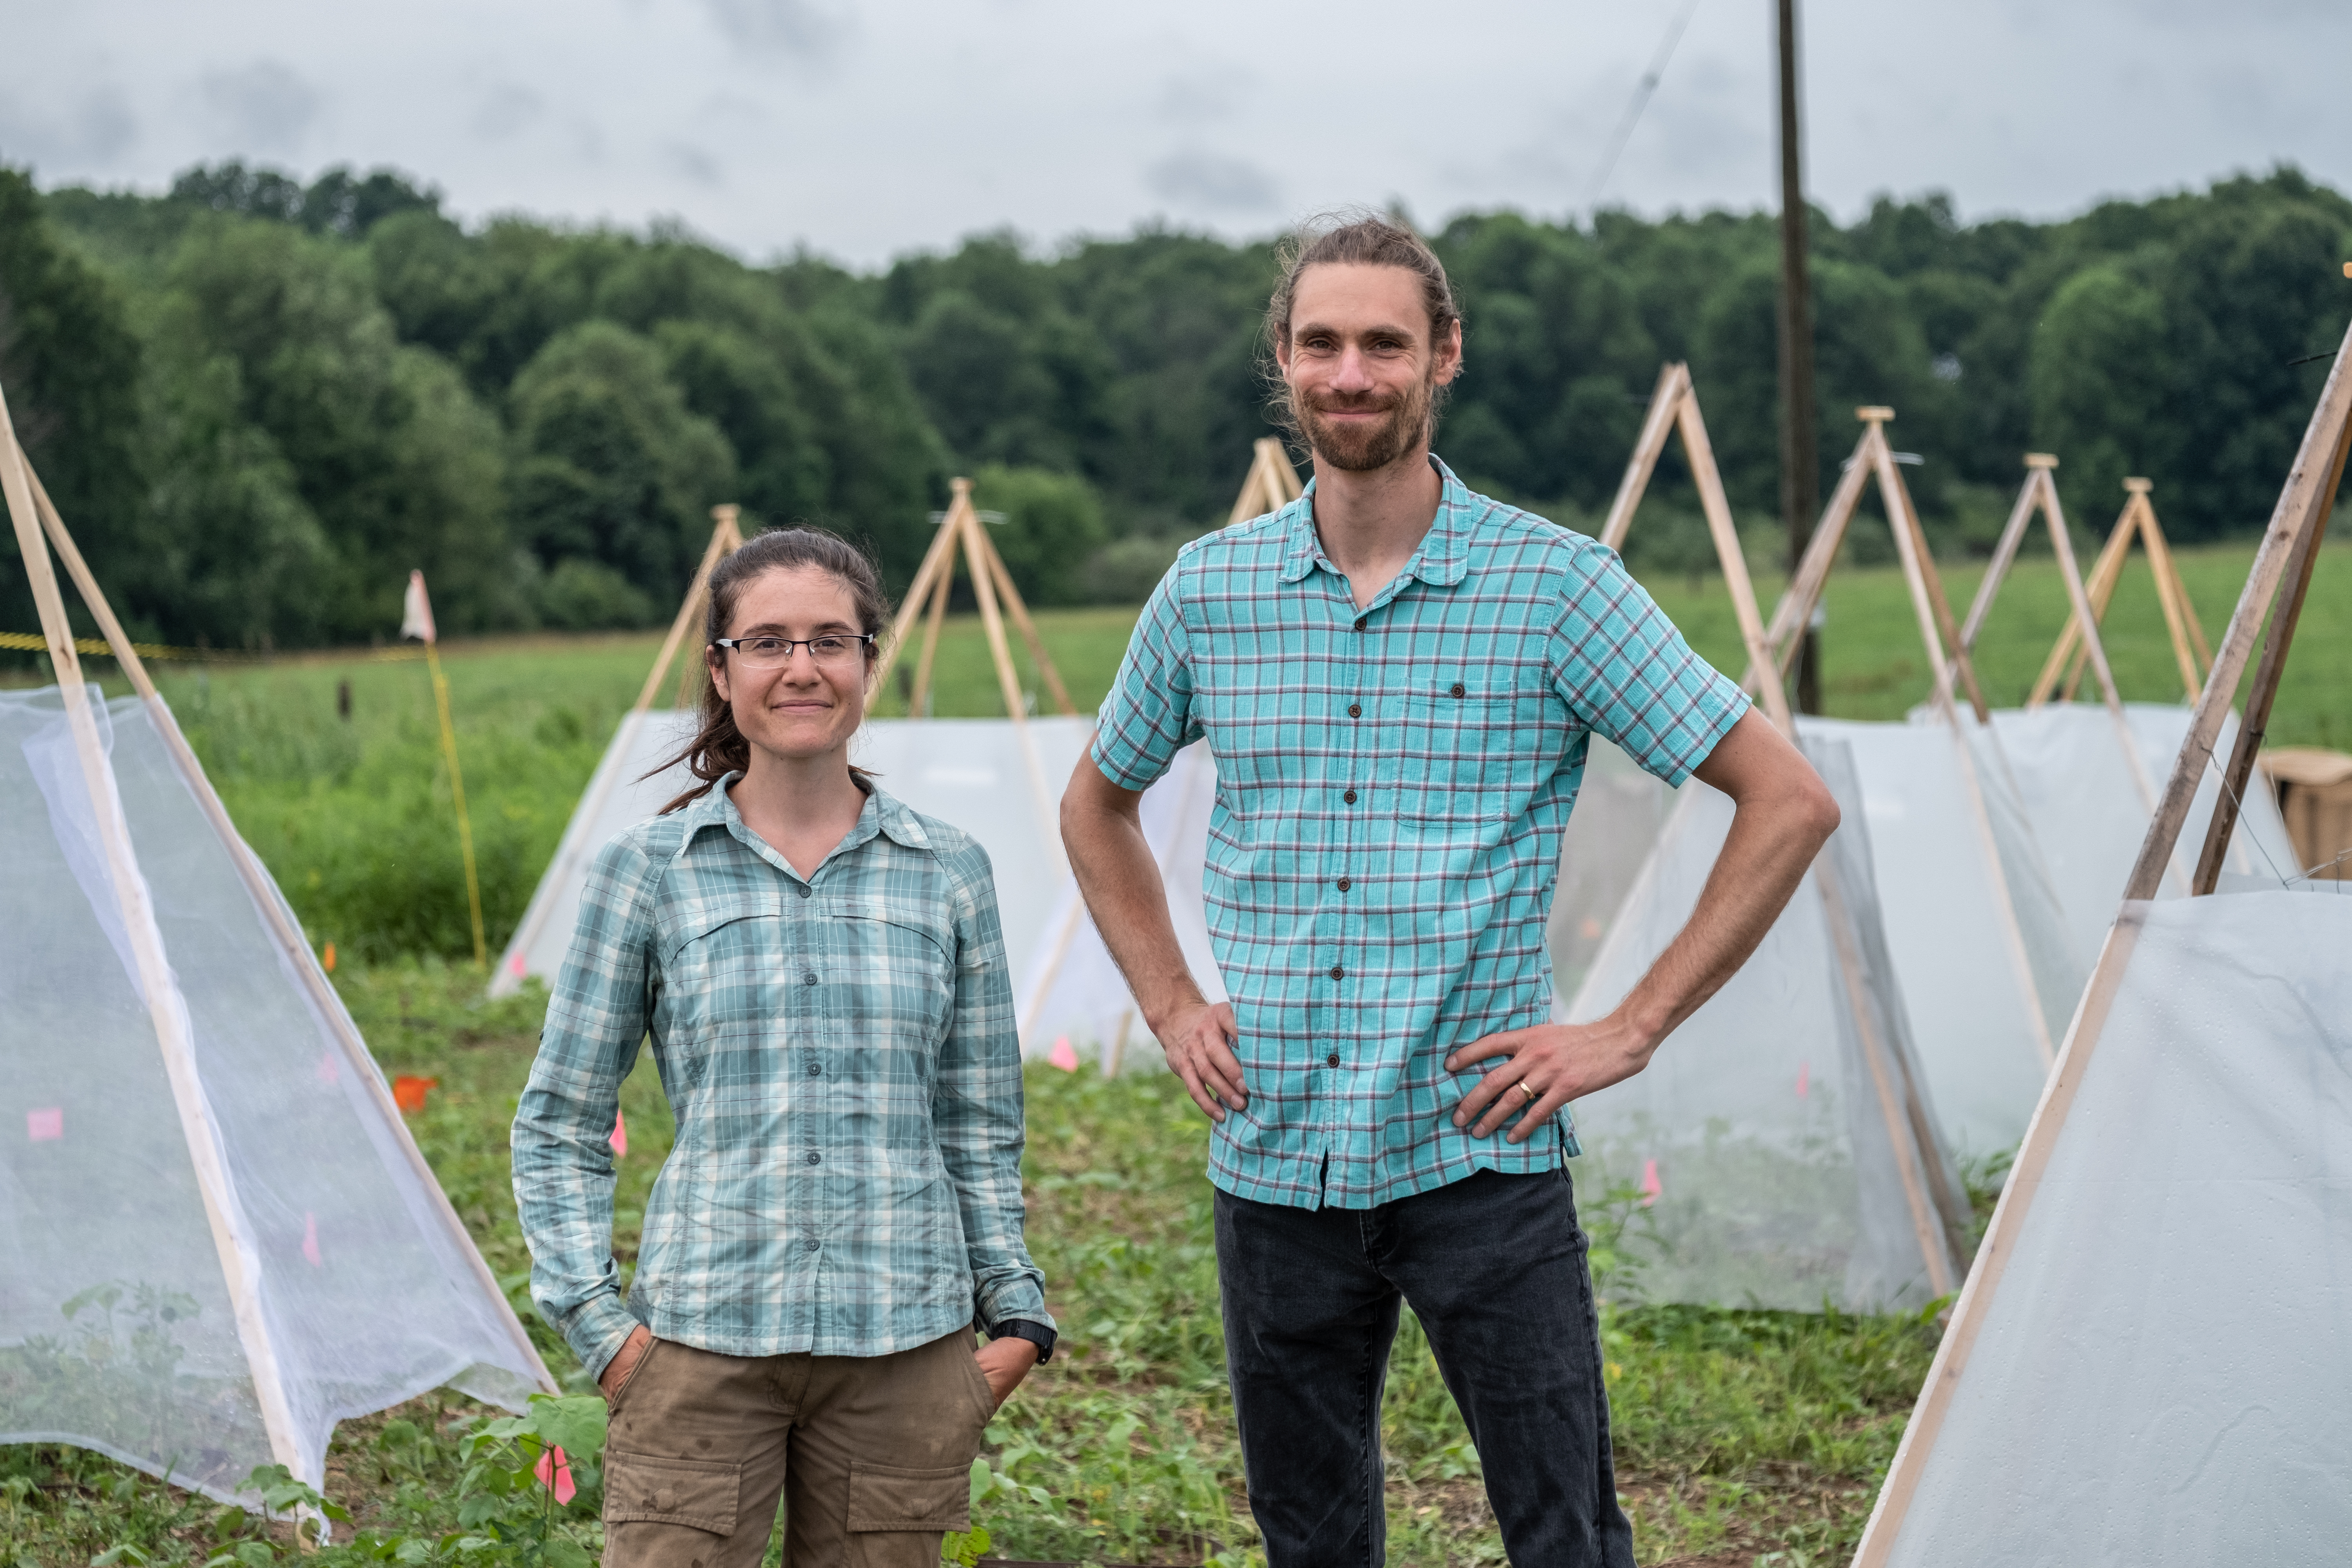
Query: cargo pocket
{"points": [[895, 1516], [644, 1488]]}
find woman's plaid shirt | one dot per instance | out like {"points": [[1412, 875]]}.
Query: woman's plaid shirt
{"points": [[840, 1054], [1391, 789]]}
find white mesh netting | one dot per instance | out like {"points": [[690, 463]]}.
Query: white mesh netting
{"points": [[966, 771], [1782, 1143], [118, 1332], [2161, 1377], [1990, 967], [2089, 814]]}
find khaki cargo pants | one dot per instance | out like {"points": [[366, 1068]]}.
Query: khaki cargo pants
{"points": [[872, 1456]]}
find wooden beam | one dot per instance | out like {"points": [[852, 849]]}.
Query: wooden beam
{"points": [[918, 700], [1028, 629], [939, 557], [975, 545], [1700, 452], [2253, 727], [2104, 572], [1957, 653], [1673, 381], [2005, 554], [1795, 609], [723, 528]]}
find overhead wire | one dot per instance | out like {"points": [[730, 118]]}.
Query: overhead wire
{"points": [[1642, 90]]}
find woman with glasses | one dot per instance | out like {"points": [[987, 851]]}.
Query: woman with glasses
{"points": [[819, 972]]}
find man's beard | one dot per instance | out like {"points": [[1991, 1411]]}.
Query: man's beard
{"points": [[1359, 450]]}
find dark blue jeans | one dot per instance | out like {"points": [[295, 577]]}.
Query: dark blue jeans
{"points": [[1494, 1268]]}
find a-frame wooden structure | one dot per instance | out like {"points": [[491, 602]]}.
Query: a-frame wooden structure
{"points": [[1939, 636], [2189, 651], [2269, 607], [1939, 1214], [2039, 494], [40, 530], [1271, 484], [961, 529]]}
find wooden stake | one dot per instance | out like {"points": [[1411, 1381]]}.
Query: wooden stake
{"points": [[1028, 629], [2295, 522], [1658, 423], [233, 1243], [918, 702], [457, 795], [291, 942], [975, 547], [2255, 725], [724, 537]]}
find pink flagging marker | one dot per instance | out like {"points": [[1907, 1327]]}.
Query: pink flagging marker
{"points": [[45, 1126], [515, 965], [620, 1136], [310, 1240], [1651, 1189], [1063, 1055], [554, 1473], [1804, 1078]]}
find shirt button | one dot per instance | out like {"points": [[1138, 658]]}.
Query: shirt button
{"points": [[1460, 690], [815, 1158], [1345, 884], [1332, 1060], [1337, 973], [811, 1245], [805, 890], [1359, 623], [1350, 797], [809, 979], [1355, 710], [814, 1070]]}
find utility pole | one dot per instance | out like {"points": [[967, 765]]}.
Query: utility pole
{"points": [[1800, 492]]}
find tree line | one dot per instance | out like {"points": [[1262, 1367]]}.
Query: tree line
{"points": [[260, 402]]}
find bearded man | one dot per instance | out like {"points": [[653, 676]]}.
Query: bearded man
{"points": [[1399, 679]]}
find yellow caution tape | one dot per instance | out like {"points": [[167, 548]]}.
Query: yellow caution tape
{"points": [[33, 642]]}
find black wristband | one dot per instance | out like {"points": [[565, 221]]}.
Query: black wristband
{"points": [[1037, 1334]]}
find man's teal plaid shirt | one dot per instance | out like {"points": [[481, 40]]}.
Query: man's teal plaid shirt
{"points": [[1392, 784], [840, 1054]]}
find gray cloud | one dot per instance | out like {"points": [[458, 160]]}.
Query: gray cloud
{"points": [[263, 108], [1204, 94], [802, 27], [693, 163], [505, 109], [92, 130], [1211, 182]]}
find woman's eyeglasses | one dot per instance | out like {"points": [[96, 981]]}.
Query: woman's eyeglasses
{"points": [[832, 651]]}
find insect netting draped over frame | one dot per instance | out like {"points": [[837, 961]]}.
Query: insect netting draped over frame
{"points": [[1781, 1149], [208, 1255]]}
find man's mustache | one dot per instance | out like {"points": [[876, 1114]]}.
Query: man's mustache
{"points": [[1358, 403]]}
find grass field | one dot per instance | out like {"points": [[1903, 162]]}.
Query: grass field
{"points": [[1741, 1436]]}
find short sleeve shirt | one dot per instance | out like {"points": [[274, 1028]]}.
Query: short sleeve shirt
{"points": [[1393, 785]]}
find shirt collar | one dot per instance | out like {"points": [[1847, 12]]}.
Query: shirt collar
{"points": [[883, 813], [1442, 558]]}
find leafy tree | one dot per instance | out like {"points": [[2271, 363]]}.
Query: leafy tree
{"points": [[613, 471], [1053, 523], [70, 365]]}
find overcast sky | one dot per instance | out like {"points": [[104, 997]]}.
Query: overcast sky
{"points": [[862, 130]]}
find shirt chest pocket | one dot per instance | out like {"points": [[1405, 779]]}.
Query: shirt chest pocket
{"points": [[1473, 751], [887, 966], [734, 965]]}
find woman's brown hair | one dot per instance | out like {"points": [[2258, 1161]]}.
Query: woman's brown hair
{"points": [[719, 748]]}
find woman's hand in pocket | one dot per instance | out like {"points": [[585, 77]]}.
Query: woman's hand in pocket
{"points": [[1004, 1362], [618, 1369]]}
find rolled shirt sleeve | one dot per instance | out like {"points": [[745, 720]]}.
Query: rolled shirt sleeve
{"points": [[1148, 718], [976, 1103], [1627, 674], [563, 1128]]}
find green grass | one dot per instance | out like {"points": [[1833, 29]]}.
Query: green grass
{"points": [[1741, 1433], [1758, 1430]]}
